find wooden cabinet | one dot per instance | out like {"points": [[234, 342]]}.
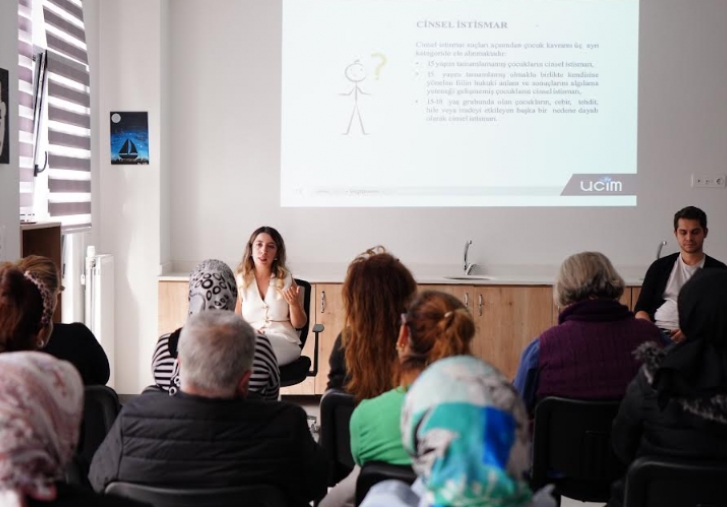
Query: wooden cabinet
{"points": [[508, 318], [464, 293], [329, 312], [173, 306], [635, 293]]}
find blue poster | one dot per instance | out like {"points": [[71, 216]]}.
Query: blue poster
{"points": [[129, 138]]}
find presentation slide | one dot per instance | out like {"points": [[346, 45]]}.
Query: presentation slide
{"points": [[459, 103]]}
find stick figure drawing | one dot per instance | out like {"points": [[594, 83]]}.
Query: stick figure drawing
{"points": [[355, 73]]}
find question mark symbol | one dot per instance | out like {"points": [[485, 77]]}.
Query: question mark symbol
{"points": [[383, 59]]}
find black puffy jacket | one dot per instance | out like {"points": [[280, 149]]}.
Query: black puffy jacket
{"points": [[196, 442], [684, 429]]}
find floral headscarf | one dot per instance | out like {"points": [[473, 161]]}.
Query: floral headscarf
{"points": [[41, 405], [467, 432], [212, 286]]}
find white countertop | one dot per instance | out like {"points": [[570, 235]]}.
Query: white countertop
{"points": [[431, 274]]}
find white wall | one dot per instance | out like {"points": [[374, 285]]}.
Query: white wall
{"points": [[209, 75], [128, 76], [9, 175], [225, 115]]}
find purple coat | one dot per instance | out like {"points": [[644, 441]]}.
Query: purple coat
{"points": [[589, 354]]}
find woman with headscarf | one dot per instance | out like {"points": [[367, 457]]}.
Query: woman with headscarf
{"points": [[212, 286], [466, 429], [677, 404], [41, 404]]}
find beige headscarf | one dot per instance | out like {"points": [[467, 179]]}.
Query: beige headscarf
{"points": [[41, 405]]}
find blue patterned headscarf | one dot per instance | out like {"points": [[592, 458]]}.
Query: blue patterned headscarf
{"points": [[466, 429]]}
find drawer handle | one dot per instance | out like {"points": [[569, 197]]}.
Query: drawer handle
{"points": [[467, 299], [323, 301], [479, 304]]}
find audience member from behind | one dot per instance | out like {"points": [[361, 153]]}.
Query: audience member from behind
{"points": [[269, 298], [212, 286], [377, 290], [41, 404], [466, 430], [589, 354], [666, 276], [210, 435], [437, 325], [26, 310], [677, 405], [74, 343]]}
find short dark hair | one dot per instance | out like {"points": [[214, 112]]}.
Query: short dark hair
{"points": [[691, 213]]}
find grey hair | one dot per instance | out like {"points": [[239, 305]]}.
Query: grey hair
{"points": [[584, 276], [216, 348]]}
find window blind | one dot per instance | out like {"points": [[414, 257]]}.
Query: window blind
{"points": [[25, 106], [69, 115]]}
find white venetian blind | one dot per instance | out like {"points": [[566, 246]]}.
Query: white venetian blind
{"points": [[26, 104], [69, 115]]}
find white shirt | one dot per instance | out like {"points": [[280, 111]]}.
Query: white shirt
{"points": [[667, 315], [270, 315]]}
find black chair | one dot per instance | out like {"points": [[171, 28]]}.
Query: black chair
{"points": [[76, 474], [374, 472], [660, 482], [572, 448], [249, 496], [100, 408], [297, 371], [336, 409]]}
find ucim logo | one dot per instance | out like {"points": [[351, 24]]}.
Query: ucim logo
{"points": [[604, 184], [601, 184]]}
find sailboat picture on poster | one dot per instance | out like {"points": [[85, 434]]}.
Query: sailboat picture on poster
{"points": [[129, 138]]}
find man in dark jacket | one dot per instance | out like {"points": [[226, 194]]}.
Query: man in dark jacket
{"points": [[666, 276], [209, 435]]}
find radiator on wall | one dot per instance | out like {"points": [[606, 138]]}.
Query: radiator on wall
{"points": [[99, 307]]}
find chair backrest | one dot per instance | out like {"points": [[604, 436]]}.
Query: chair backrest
{"points": [[76, 473], [100, 408], [303, 331], [660, 482], [249, 496], [572, 448], [374, 472], [336, 409]]}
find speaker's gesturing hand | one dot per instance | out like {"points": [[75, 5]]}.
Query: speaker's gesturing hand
{"points": [[292, 295]]}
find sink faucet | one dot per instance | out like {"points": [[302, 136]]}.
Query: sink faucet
{"points": [[467, 266], [658, 250]]}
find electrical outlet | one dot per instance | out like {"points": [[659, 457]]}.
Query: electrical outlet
{"points": [[713, 181]]}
